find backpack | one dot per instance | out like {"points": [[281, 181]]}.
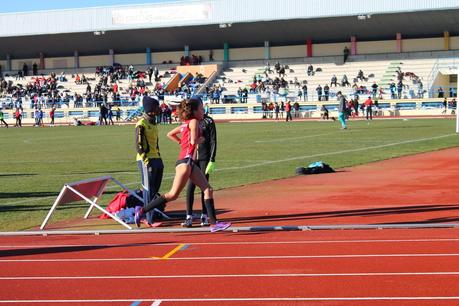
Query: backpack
{"points": [[116, 204], [315, 168]]}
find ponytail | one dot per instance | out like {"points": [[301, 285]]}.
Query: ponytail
{"points": [[187, 108]]}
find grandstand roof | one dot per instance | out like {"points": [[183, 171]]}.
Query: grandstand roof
{"points": [[166, 27]]}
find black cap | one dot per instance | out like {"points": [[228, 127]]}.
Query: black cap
{"points": [[149, 104]]}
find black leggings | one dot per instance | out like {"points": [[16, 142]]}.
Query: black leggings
{"points": [[202, 165]]}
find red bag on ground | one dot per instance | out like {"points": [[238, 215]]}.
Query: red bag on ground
{"points": [[116, 204]]}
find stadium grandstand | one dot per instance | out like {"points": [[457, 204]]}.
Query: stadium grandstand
{"points": [[240, 56]]}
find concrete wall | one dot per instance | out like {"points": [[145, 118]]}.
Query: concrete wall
{"points": [[423, 44], [203, 53], [329, 49], [454, 43], [218, 55], [16, 64], [297, 51], [95, 60], [376, 47], [238, 54], [128, 59], [288, 51], [159, 57], [59, 62]]}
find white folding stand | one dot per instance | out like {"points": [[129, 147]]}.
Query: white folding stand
{"points": [[89, 191]]}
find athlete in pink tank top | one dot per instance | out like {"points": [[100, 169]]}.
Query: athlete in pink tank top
{"points": [[187, 149]]}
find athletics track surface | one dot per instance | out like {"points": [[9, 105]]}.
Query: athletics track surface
{"points": [[330, 267]]}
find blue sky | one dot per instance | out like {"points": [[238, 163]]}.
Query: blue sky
{"points": [[34, 5]]}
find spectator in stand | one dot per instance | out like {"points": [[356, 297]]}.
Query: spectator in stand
{"points": [[25, 70], [393, 90], [361, 76], [2, 120], [310, 70], [150, 73], [334, 81], [305, 92], [345, 54], [300, 94], [441, 92], [319, 92], [342, 110], [245, 95], [34, 69], [77, 79], [326, 92], [369, 108], [399, 89], [374, 89], [345, 81], [20, 76]]}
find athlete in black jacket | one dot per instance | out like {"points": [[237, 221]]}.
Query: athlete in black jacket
{"points": [[205, 160]]}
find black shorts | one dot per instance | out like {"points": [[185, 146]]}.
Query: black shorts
{"points": [[188, 161]]}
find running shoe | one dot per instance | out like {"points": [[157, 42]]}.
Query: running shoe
{"points": [[204, 221], [188, 222], [219, 226], [138, 215]]}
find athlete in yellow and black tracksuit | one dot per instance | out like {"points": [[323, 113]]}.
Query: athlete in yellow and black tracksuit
{"points": [[148, 157]]}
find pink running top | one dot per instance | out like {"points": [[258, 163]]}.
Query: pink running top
{"points": [[187, 149]]}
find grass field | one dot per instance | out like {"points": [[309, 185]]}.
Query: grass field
{"points": [[35, 163]]}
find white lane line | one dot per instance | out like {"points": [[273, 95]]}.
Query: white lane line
{"points": [[286, 160], [336, 152], [272, 299], [234, 257], [133, 244], [292, 138], [187, 276]]}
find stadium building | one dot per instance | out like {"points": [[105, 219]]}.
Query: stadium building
{"points": [[235, 39]]}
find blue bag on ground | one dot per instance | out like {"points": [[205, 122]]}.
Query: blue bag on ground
{"points": [[315, 168]]}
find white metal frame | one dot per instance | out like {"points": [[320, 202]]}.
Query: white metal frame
{"points": [[93, 203]]}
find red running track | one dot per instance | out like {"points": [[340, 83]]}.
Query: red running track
{"points": [[377, 267]]}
